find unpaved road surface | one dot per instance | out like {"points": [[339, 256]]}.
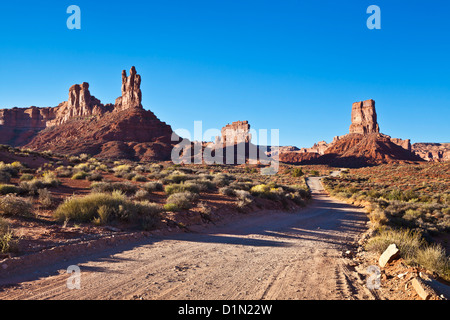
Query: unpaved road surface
{"points": [[260, 256]]}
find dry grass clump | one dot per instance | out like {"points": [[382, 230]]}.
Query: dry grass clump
{"points": [[153, 186], [102, 187], [413, 248], [15, 206], [180, 201], [101, 208], [7, 239]]}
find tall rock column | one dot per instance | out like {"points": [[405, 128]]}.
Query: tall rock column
{"points": [[364, 118], [131, 91]]}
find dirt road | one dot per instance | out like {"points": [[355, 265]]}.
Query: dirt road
{"points": [[260, 256]]}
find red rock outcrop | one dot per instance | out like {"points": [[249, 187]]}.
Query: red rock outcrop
{"points": [[363, 146], [436, 152], [131, 91], [19, 125], [234, 133], [134, 134], [405, 144], [80, 104], [364, 118], [82, 124]]}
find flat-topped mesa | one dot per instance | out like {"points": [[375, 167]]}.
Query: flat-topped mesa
{"points": [[235, 133], [364, 118], [131, 91]]}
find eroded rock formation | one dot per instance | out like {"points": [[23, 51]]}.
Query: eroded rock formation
{"points": [[235, 133], [364, 118], [432, 151], [131, 91], [82, 124], [363, 145]]}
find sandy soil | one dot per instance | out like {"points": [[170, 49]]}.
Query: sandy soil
{"points": [[274, 255]]}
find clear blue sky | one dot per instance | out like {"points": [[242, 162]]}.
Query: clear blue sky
{"points": [[296, 66]]}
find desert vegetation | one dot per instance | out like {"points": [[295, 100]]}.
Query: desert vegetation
{"points": [[408, 204], [76, 195]]}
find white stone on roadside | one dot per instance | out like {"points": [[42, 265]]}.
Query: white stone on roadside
{"points": [[388, 255]]}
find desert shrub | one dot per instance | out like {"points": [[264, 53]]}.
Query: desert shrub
{"points": [[86, 208], [171, 207], [297, 172], [5, 177], [45, 198], [7, 241], [177, 177], [141, 194], [96, 176], [182, 200], [149, 214], [26, 177], [84, 157], [83, 167], [49, 179], [181, 187], [222, 179], [238, 185], [433, 258], [153, 186], [228, 191], [80, 175], [244, 198], [122, 168], [11, 168], [408, 241], [64, 172], [125, 187], [9, 188], [101, 167], [260, 189], [314, 173], [139, 177], [15, 206], [155, 167]]}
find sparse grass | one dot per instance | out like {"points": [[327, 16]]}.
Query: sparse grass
{"points": [[7, 241]]}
